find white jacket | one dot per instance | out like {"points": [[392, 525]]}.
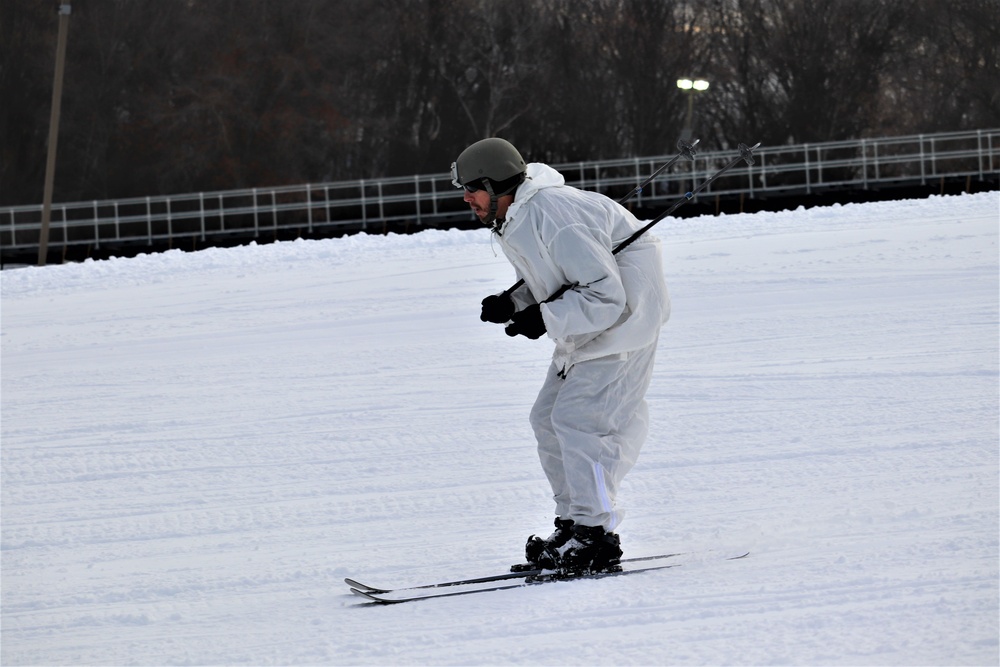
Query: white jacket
{"points": [[557, 235]]}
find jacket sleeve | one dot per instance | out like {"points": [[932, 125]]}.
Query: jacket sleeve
{"points": [[582, 254]]}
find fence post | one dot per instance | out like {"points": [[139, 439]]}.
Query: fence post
{"points": [[364, 208], [256, 222], [989, 147], [934, 170], [923, 174], [416, 196], [875, 156], [864, 164], [805, 153], [979, 152], [326, 197], [309, 207], [65, 227], [274, 213]]}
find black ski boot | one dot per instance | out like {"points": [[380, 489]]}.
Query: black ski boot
{"points": [[541, 554], [590, 550]]}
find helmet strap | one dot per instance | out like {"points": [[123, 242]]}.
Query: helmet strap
{"points": [[511, 185], [491, 217]]}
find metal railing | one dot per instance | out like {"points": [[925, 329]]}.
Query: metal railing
{"points": [[431, 200]]}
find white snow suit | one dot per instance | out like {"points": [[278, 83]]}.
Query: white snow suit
{"points": [[590, 418]]}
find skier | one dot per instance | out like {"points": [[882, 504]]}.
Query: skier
{"points": [[590, 418]]}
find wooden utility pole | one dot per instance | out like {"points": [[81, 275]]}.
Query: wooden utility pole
{"points": [[50, 163]]}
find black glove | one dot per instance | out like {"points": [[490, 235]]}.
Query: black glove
{"points": [[528, 323], [497, 308]]}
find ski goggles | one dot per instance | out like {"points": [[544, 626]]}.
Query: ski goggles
{"points": [[472, 186]]}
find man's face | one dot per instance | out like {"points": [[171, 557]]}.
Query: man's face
{"points": [[479, 202]]}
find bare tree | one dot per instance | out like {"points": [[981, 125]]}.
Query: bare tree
{"points": [[493, 74], [945, 71], [804, 70]]}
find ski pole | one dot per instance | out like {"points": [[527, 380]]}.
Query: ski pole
{"points": [[684, 149], [746, 154]]}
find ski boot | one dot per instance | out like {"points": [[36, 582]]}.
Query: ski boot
{"points": [[541, 554], [591, 550]]}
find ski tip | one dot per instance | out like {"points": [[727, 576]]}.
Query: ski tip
{"points": [[744, 555], [353, 583], [371, 596]]}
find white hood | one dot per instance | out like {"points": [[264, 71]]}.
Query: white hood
{"points": [[539, 176]]}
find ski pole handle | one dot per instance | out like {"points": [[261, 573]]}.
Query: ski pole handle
{"points": [[683, 149]]}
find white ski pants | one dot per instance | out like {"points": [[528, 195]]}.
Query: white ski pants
{"points": [[590, 427]]}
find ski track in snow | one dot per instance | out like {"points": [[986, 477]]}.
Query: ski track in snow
{"points": [[197, 448]]}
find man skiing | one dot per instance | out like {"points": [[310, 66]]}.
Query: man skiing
{"points": [[603, 310]]}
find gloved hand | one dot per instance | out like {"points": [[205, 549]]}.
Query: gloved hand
{"points": [[497, 308], [528, 323]]}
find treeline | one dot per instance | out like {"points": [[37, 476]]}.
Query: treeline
{"points": [[189, 95]]}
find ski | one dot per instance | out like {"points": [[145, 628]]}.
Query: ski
{"points": [[412, 594], [355, 584]]}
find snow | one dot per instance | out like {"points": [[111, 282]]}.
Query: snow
{"points": [[198, 448]]}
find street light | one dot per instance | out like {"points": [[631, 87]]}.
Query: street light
{"points": [[690, 85]]}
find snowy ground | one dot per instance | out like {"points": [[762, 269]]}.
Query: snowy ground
{"points": [[197, 448]]}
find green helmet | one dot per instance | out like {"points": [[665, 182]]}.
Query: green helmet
{"points": [[494, 159]]}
